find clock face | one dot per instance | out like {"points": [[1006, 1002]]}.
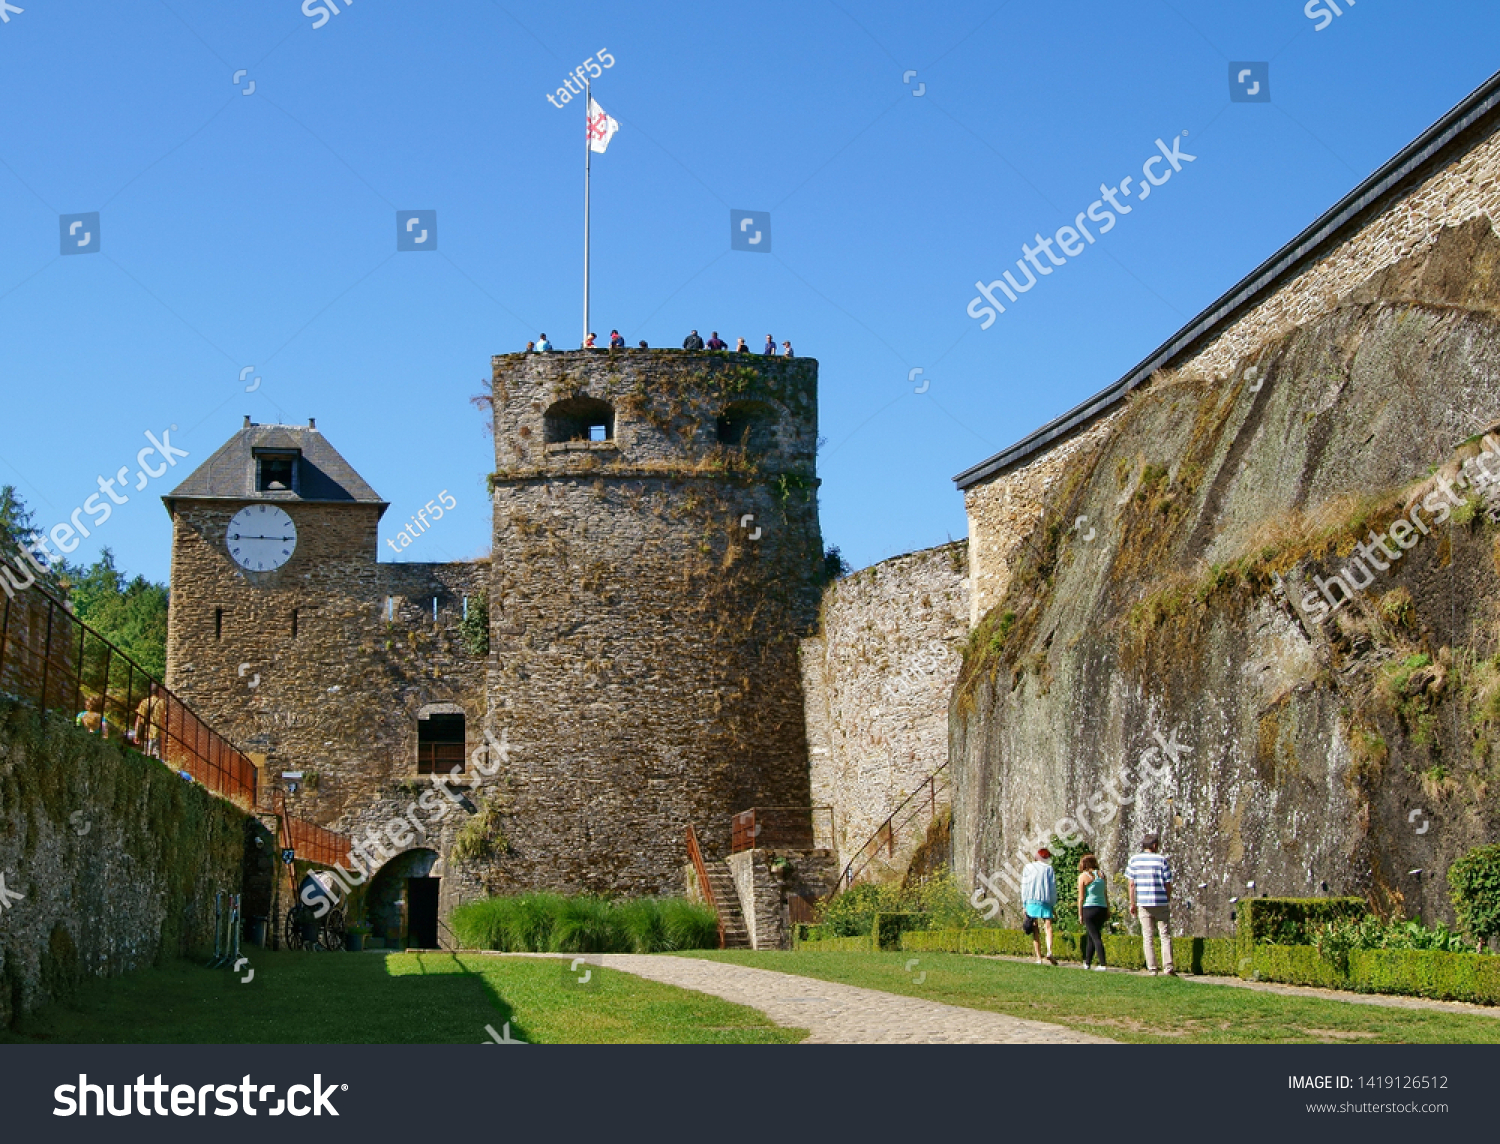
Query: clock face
{"points": [[261, 538]]}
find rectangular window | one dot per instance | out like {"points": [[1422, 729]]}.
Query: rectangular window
{"points": [[294, 623], [440, 744], [218, 623]]}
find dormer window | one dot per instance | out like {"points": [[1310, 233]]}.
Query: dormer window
{"points": [[276, 472]]}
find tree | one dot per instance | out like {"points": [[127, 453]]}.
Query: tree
{"points": [[835, 567], [130, 614], [1474, 885]]}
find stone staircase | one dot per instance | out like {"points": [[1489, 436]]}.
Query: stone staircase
{"points": [[727, 898]]}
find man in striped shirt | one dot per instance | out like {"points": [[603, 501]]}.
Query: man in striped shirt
{"points": [[1150, 881]]}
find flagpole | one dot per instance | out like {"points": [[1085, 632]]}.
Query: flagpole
{"points": [[587, 152]]}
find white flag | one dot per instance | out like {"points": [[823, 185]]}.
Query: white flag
{"points": [[601, 127]]}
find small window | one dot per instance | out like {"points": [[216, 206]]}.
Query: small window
{"points": [[218, 623], [440, 744], [580, 419], [276, 472], [294, 623]]}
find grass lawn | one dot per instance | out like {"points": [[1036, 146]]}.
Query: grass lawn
{"points": [[1126, 1007], [397, 998]]}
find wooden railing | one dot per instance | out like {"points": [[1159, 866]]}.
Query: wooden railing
{"points": [[704, 885], [923, 800]]}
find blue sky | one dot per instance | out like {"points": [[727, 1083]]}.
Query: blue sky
{"points": [[259, 229]]}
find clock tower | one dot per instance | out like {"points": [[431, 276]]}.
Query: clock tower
{"points": [[275, 580]]}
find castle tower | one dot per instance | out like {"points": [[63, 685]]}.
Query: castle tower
{"points": [[657, 557], [289, 635]]}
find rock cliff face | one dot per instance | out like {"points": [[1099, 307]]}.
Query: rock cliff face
{"points": [[1171, 663]]}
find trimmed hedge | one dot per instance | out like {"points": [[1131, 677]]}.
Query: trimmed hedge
{"points": [[1292, 921], [1429, 973], [1215, 955], [888, 928], [864, 944]]}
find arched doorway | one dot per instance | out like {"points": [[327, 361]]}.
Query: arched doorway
{"points": [[403, 899]]}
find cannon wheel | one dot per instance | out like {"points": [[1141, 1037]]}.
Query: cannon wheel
{"points": [[293, 930], [333, 929]]}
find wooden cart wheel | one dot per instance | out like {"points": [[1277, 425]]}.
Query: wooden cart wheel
{"points": [[293, 930], [333, 930]]}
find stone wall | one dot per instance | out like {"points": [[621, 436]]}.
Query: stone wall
{"points": [[648, 594], [876, 680], [1181, 636], [1006, 509], [114, 857], [334, 692], [765, 881]]}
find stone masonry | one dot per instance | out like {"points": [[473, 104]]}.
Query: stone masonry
{"points": [[876, 679], [649, 589]]}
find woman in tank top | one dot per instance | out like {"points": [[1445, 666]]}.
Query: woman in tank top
{"points": [[1093, 909]]}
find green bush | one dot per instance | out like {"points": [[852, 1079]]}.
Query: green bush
{"points": [[1474, 884], [886, 929], [552, 923], [938, 898], [1293, 921], [1336, 940]]}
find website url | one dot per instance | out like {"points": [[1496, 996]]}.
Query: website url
{"points": [[1367, 1107]]}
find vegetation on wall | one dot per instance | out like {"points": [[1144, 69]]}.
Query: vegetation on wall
{"points": [[189, 840]]}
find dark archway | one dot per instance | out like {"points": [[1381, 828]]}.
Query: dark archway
{"points": [[403, 900]]}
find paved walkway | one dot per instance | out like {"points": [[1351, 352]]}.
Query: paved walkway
{"points": [[844, 1014]]}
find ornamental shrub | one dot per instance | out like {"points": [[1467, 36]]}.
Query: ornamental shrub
{"points": [[1474, 887]]}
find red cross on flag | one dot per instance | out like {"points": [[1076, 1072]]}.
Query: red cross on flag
{"points": [[601, 127]]}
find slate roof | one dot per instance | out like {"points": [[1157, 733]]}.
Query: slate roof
{"points": [[1461, 129], [323, 476]]}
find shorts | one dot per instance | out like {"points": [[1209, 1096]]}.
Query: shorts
{"points": [[1038, 910]]}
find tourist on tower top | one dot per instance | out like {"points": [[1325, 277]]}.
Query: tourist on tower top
{"points": [[692, 341], [769, 349], [717, 343], [616, 340], [543, 345]]}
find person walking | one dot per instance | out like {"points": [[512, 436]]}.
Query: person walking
{"points": [[543, 345], [769, 349], [786, 350], [1038, 897], [692, 341], [616, 340], [717, 343], [1150, 879], [742, 348], [1093, 910]]}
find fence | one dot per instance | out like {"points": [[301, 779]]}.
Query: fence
{"points": [[51, 659], [782, 827], [54, 661]]}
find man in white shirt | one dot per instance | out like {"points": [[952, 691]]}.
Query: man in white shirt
{"points": [[1038, 896]]}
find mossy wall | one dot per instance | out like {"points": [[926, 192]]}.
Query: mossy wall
{"points": [[116, 859], [1315, 752]]}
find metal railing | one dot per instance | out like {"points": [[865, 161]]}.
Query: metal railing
{"points": [[695, 854], [51, 659], [784, 827], [923, 800]]}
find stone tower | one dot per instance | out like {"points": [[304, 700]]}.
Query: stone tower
{"points": [[657, 556]]}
